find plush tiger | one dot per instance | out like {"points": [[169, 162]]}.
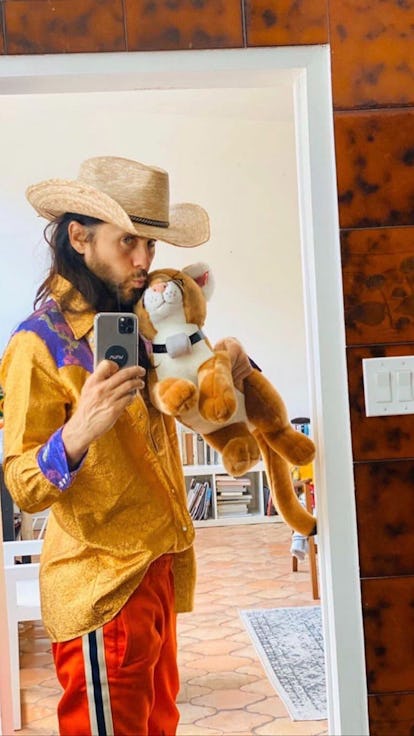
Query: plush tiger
{"points": [[193, 382]]}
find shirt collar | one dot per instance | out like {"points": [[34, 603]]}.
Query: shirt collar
{"points": [[80, 315]]}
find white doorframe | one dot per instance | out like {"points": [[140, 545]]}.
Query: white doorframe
{"points": [[308, 68]]}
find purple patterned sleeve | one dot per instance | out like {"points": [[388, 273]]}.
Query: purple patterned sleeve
{"points": [[53, 462]]}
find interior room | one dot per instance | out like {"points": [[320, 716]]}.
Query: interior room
{"points": [[266, 293], [224, 142]]}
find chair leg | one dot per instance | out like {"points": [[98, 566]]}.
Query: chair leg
{"points": [[312, 549], [15, 674], [313, 569]]}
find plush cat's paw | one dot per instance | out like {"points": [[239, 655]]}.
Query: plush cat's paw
{"points": [[240, 454], [295, 447], [218, 400], [176, 396]]}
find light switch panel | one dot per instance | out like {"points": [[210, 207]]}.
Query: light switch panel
{"points": [[388, 385]]}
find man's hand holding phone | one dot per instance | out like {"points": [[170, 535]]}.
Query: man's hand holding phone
{"points": [[104, 396], [110, 388]]}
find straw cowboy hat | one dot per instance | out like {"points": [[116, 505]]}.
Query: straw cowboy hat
{"points": [[126, 193]]}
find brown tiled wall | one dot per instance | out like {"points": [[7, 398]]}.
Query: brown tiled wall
{"points": [[63, 26], [373, 95]]}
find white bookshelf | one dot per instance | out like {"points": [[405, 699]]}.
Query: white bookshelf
{"points": [[256, 511]]}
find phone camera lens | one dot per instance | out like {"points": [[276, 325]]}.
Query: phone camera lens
{"points": [[126, 325]]}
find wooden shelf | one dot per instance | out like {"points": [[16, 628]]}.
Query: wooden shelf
{"points": [[257, 513]]}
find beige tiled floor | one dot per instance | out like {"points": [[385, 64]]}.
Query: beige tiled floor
{"points": [[224, 689]]}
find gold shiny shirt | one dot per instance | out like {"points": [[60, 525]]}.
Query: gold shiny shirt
{"points": [[126, 503]]}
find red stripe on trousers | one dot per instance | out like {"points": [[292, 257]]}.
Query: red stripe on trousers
{"points": [[141, 661]]}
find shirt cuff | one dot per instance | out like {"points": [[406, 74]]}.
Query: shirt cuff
{"points": [[54, 464]]}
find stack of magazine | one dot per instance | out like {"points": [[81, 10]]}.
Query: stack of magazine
{"points": [[199, 499], [233, 496]]}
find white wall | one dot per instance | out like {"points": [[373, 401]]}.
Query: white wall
{"points": [[231, 150]]}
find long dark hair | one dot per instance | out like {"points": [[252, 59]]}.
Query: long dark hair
{"points": [[67, 262]]}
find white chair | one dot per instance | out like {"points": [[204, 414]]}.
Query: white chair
{"points": [[23, 604], [39, 523], [32, 526]]}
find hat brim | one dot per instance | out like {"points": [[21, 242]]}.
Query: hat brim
{"points": [[188, 223]]}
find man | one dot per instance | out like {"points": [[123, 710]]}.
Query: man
{"points": [[117, 562]]}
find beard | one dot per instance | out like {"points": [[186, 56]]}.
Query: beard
{"points": [[125, 298], [113, 294]]}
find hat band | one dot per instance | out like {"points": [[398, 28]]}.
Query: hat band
{"points": [[148, 221]]}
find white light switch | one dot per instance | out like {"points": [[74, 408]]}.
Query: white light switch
{"points": [[404, 386], [383, 386], [388, 385]]}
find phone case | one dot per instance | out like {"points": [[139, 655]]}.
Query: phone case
{"points": [[116, 338]]}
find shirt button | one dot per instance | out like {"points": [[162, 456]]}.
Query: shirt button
{"points": [[173, 491], [184, 528]]}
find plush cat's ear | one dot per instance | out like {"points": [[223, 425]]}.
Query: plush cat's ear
{"points": [[202, 275]]}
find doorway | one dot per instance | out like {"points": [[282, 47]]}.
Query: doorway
{"points": [[303, 75]]}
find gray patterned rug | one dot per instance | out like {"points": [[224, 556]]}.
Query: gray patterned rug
{"points": [[289, 643]]}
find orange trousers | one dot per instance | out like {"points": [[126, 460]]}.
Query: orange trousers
{"points": [[122, 679]]}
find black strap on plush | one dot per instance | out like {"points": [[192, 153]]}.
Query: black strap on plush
{"points": [[254, 365], [195, 337]]}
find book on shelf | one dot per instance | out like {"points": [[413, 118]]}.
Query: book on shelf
{"points": [[210, 455], [229, 503], [227, 500], [232, 509], [239, 493], [192, 492], [188, 447], [207, 503], [228, 480], [198, 505], [194, 449], [227, 483], [201, 450]]}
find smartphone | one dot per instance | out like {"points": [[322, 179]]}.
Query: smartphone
{"points": [[116, 338]]}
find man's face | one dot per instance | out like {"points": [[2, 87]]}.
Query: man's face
{"points": [[120, 260]]}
